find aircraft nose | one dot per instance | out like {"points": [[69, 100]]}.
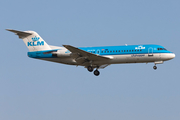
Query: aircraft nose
{"points": [[172, 55]]}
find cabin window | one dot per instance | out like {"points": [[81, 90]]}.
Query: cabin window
{"points": [[135, 50], [113, 50], [124, 51], [116, 50], [101, 51], [140, 50], [107, 51], [119, 51], [110, 51], [129, 50], [132, 50]]}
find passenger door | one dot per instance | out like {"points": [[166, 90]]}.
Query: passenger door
{"points": [[150, 51], [98, 52]]}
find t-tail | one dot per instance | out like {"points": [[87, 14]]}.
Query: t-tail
{"points": [[33, 41]]}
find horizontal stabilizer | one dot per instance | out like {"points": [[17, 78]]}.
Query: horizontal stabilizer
{"points": [[20, 33]]}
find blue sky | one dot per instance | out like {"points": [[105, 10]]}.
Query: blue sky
{"points": [[34, 89]]}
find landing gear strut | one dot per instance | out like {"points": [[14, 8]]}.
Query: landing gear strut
{"points": [[96, 72], [90, 68], [154, 67]]}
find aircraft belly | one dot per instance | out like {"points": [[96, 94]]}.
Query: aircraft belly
{"points": [[68, 61]]}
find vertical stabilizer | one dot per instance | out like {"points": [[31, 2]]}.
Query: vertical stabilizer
{"points": [[33, 41]]}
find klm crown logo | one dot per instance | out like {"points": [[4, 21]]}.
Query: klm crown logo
{"points": [[35, 38], [35, 42]]}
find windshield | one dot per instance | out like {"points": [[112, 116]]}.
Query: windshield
{"points": [[161, 48]]}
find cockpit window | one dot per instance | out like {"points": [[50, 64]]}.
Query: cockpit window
{"points": [[161, 49]]}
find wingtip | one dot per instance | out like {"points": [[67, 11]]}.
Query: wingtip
{"points": [[11, 30], [65, 45], [8, 29]]}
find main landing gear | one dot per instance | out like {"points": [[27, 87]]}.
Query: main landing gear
{"points": [[96, 72], [90, 69]]}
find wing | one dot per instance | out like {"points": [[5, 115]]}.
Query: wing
{"points": [[85, 58], [85, 54]]}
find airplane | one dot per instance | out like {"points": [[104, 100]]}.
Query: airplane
{"points": [[93, 57]]}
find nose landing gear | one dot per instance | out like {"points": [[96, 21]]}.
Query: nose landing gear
{"points": [[154, 67], [157, 62]]}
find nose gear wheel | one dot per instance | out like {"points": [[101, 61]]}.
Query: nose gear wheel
{"points": [[154, 67]]}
